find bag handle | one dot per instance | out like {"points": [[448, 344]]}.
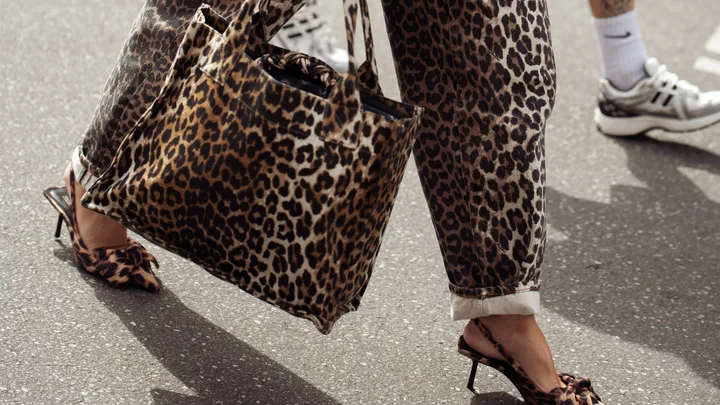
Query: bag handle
{"points": [[343, 105], [235, 39], [367, 72], [343, 113]]}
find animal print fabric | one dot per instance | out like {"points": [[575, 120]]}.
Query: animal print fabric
{"points": [[281, 185], [485, 74]]}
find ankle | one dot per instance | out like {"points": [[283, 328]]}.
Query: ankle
{"points": [[504, 325], [510, 324], [522, 339], [97, 231], [67, 174]]}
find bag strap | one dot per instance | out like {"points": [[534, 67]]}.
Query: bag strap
{"points": [[368, 71], [241, 24], [235, 39], [344, 106], [344, 110]]}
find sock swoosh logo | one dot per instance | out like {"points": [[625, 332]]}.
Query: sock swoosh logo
{"points": [[627, 35]]}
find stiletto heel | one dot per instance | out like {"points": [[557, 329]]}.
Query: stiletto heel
{"points": [[471, 380], [59, 226], [131, 265], [577, 391]]}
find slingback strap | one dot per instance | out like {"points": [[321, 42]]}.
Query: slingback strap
{"points": [[489, 336]]}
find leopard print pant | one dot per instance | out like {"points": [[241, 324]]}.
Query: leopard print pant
{"points": [[483, 70]]}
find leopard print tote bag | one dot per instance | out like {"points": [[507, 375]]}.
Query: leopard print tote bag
{"points": [[264, 166]]}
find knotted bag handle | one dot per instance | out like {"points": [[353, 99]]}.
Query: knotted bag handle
{"points": [[344, 106], [367, 72]]}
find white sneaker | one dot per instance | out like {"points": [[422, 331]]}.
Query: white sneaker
{"points": [[660, 101], [310, 34]]}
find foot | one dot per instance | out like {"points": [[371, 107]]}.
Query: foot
{"points": [[661, 101], [98, 231], [522, 338], [310, 34]]}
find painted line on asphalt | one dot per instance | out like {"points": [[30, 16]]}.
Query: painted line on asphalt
{"points": [[707, 65], [713, 44]]}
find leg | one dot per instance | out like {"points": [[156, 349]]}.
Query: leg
{"points": [[638, 93], [134, 82], [611, 8], [485, 73], [620, 40]]}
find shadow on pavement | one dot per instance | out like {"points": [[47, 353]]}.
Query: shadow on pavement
{"points": [[216, 365], [645, 266], [495, 398]]}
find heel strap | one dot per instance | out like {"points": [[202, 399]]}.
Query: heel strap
{"points": [[489, 336], [521, 373]]}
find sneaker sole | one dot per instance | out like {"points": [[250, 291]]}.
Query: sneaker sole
{"points": [[639, 125]]}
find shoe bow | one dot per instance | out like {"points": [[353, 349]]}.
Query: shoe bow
{"points": [[580, 390]]}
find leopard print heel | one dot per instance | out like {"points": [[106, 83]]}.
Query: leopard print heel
{"points": [[577, 391], [120, 267]]}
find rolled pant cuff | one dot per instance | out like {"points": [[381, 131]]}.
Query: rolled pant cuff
{"points": [[519, 303], [81, 169]]}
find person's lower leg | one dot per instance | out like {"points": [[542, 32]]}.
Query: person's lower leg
{"points": [[461, 125], [611, 8], [521, 336], [621, 45]]}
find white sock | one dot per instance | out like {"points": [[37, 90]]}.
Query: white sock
{"points": [[622, 49]]}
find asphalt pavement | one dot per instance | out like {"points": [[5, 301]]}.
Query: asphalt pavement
{"points": [[630, 292]]}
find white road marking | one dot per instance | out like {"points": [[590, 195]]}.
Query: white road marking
{"points": [[707, 65], [713, 44]]}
